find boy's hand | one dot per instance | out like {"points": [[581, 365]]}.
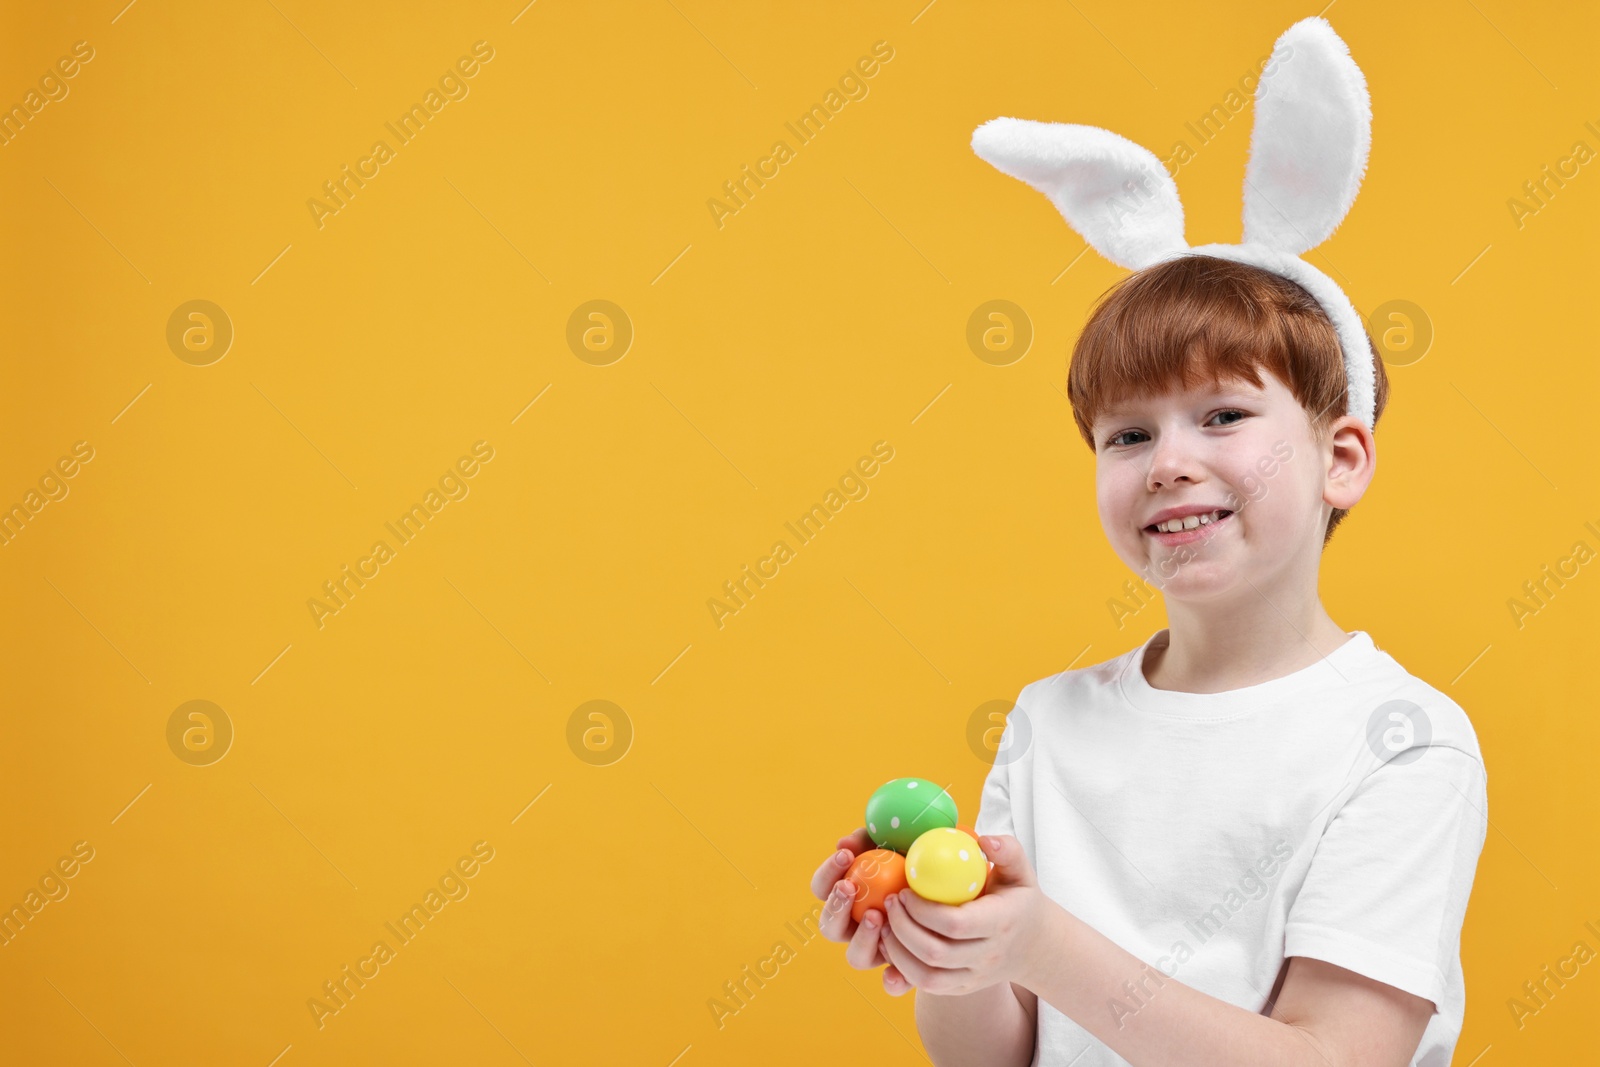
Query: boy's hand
{"points": [[953, 949], [864, 950]]}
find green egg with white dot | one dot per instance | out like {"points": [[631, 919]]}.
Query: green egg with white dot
{"points": [[903, 810]]}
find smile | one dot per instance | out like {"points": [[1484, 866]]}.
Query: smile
{"points": [[1180, 532]]}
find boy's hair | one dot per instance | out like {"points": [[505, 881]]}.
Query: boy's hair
{"points": [[1194, 321]]}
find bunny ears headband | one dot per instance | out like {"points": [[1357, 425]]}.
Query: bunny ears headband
{"points": [[1308, 152]]}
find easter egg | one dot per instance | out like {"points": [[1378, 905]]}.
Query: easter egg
{"points": [[946, 865], [876, 873], [904, 809], [989, 870]]}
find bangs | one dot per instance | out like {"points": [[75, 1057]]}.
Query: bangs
{"points": [[1198, 322]]}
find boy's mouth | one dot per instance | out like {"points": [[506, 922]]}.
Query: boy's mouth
{"points": [[1179, 532]]}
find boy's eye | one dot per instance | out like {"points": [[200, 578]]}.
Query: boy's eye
{"points": [[1117, 439]]}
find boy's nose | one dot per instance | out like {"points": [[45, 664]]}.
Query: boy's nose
{"points": [[1171, 463]]}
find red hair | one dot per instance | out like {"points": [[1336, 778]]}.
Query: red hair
{"points": [[1195, 321]]}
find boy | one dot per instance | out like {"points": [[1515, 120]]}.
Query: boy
{"points": [[1249, 841]]}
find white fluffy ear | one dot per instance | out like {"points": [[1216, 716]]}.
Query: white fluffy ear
{"points": [[1115, 193], [1308, 151]]}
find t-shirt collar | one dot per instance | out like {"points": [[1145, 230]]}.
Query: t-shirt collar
{"points": [[1338, 668]]}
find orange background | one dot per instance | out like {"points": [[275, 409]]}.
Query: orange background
{"points": [[768, 354]]}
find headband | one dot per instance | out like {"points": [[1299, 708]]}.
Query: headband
{"points": [[1308, 152]]}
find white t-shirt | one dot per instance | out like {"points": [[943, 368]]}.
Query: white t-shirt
{"points": [[1335, 813]]}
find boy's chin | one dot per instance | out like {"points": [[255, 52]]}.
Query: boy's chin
{"points": [[1202, 592], [1186, 578]]}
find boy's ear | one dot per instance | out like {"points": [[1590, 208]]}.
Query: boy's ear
{"points": [[1352, 461]]}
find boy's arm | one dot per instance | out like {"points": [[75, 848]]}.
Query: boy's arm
{"points": [[1325, 1016], [993, 1026]]}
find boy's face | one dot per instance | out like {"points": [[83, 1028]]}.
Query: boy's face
{"points": [[1236, 448]]}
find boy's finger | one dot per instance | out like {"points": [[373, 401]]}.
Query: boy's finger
{"points": [[862, 952], [835, 923], [921, 942], [1011, 863], [959, 922], [894, 983], [830, 871], [911, 969], [858, 841]]}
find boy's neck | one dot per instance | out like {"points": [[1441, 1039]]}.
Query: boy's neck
{"points": [[1213, 658]]}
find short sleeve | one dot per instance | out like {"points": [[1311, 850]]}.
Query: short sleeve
{"points": [[1386, 892], [994, 806]]}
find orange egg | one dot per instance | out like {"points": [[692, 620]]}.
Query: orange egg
{"points": [[989, 872], [876, 873]]}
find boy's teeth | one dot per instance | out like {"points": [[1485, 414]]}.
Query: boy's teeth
{"points": [[1189, 522]]}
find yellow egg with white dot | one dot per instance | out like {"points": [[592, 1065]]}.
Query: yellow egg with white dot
{"points": [[946, 865]]}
